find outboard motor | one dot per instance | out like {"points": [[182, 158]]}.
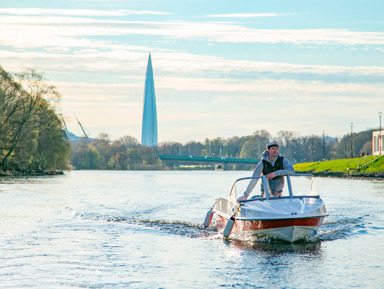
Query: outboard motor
{"points": [[229, 226]]}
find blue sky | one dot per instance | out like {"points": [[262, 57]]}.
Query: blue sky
{"points": [[221, 68]]}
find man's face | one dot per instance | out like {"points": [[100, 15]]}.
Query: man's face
{"points": [[273, 151]]}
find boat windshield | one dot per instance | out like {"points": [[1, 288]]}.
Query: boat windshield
{"points": [[297, 185]]}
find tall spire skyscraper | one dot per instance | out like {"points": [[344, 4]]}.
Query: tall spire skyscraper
{"points": [[149, 128]]}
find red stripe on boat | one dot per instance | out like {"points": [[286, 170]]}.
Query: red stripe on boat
{"points": [[249, 225]]}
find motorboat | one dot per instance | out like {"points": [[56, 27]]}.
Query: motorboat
{"points": [[294, 214]]}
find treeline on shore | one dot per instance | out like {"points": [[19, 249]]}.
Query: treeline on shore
{"points": [[127, 154], [33, 139]]}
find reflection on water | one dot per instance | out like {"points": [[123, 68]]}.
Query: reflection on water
{"points": [[278, 247]]}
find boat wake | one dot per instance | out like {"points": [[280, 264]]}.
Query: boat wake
{"points": [[329, 231], [188, 229], [342, 229]]}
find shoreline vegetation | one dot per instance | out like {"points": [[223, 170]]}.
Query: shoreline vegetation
{"points": [[371, 167], [37, 173]]}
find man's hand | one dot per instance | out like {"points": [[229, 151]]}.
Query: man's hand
{"points": [[270, 176], [242, 198]]}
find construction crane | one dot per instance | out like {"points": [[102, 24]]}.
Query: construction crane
{"points": [[65, 126], [85, 134]]}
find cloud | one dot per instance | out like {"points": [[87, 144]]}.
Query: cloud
{"points": [[77, 12], [94, 59], [245, 15], [238, 104], [78, 92], [15, 26], [197, 90], [82, 54]]}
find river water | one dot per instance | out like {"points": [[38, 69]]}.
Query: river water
{"points": [[143, 229]]}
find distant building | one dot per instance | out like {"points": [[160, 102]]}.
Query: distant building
{"points": [[376, 142], [72, 137], [149, 128]]}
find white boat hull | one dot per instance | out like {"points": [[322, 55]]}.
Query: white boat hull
{"points": [[291, 230], [287, 219]]}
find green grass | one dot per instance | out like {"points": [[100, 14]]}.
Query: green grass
{"points": [[341, 166], [375, 166]]}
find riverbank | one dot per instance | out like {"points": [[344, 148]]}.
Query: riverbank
{"points": [[363, 167], [30, 173]]}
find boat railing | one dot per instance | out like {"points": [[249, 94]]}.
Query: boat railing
{"points": [[276, 188]]}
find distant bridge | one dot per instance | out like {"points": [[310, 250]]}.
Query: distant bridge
{"points": [[209, 159]]}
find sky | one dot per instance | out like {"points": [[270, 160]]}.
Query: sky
{"points": [[221, 68]]}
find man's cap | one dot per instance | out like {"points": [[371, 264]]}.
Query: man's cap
{"points": [[273, 144]]}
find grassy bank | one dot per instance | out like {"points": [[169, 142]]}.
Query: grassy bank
{"points": [[367, 166]]}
